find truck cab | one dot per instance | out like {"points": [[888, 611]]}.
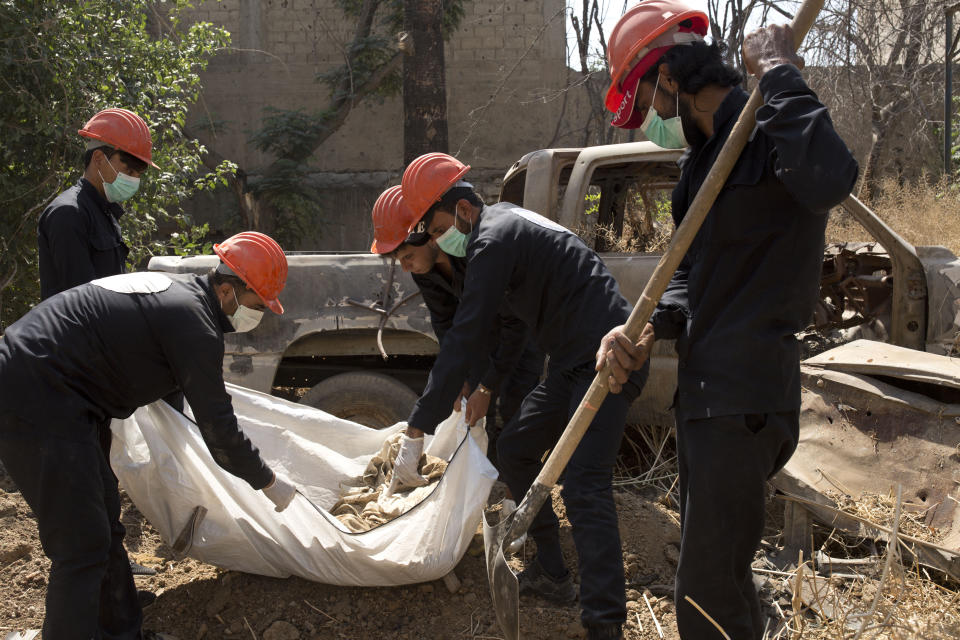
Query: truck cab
{"points": [[356, 338]]}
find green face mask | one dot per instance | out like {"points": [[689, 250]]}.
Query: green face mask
{"points": [[453, 241], [122, 188], [664, 133]]}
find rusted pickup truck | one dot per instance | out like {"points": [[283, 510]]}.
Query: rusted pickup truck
{"points": [[344, 311]]}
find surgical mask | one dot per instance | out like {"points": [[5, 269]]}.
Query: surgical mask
{"points": [[244, 318], [454, 242], [122, 188], [664, 133]]}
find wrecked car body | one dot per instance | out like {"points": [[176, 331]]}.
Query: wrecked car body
{"points": [[875, 416]]}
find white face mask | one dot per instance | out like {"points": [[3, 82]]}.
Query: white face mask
{"points": [[244, 318]]}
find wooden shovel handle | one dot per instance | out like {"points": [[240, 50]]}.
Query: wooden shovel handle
{"points": [[682, 237]]}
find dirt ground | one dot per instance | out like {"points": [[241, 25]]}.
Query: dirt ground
{"points": [[196, 600]]}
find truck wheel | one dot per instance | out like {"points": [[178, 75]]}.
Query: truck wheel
{"points": [[371, 399]]}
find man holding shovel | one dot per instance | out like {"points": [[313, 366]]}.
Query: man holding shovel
{"points": [[746, 285], [547, 277]]}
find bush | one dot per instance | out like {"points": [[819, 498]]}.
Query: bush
{"points": [[61, 62]]}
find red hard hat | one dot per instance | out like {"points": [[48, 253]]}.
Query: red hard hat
{"points": [[644, 33], [259, 261], [428, 177], [392, 218], [122, 130]]}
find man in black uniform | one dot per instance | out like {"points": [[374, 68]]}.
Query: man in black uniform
{"points": [[548, 278], [78, 235], [747, 284], [503, 380], [99, 351]]}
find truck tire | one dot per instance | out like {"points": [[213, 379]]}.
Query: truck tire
{"points": [[371, 399]]}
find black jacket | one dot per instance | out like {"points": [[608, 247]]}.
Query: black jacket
{"points": [[546, 277], [78, 239], [507, 342], [89, 354], [751, 277]]}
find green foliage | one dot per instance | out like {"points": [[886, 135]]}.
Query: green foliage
{"points": [[453, 14], [294, 201], [292, 136], [367, 55], [61, 62], [288, 133], [591, 204]]}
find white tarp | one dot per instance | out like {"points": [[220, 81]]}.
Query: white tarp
{"points": [[165, 468]]}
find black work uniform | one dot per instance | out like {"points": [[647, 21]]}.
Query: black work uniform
{"points": [[549, 279], [78, 239], [747, 284], [515, 364], [81, 357]]}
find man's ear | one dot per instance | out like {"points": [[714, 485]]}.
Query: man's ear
{"points": [[666, 79], [464, 210], [223, 291]]}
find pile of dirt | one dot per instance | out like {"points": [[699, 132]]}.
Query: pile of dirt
{"points": [[196, 600]]}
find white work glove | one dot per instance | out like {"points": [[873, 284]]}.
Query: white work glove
{"points": [[405, 468], [280, 492]]}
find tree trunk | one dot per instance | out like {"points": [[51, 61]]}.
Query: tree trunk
{"points": [[424, 81]]}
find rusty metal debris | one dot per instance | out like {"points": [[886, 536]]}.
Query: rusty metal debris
{"points": [[380, 305], [874, 416]]}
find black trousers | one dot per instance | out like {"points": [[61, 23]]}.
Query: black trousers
{"points": [[74, 494], [521, 381], [587, 486], [725, 463]]}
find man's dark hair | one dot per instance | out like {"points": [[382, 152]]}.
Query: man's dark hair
{"points": [[696, 66], [216, 279], [131, 161], [448, 203]]}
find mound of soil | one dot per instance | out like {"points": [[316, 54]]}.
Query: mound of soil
{"points": [[196, 600]]}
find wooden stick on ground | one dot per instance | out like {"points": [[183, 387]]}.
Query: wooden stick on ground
{"points": [[706, 615], [653, 615]]}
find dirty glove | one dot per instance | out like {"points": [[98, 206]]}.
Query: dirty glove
{"points": [[405, 469], [280, 492]]}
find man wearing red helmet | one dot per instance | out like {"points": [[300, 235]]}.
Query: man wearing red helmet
{"points": [[548, 278], [514, 366], [98, 351], [745, 287], [78, 234]]}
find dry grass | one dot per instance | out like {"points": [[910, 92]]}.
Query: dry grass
{"points": [[648, 457], [880, 509], [888, 595], [924, 213], [908, 606]]}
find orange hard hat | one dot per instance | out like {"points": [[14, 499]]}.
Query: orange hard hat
{"points": [[122, 130], [428, 177], [392, 218], [259, 261], [644, 33]]}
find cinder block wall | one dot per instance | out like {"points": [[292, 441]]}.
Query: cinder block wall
{"points": [[506, 69]]}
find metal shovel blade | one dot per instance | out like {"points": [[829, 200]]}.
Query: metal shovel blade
{"points": [[504, 588], [184, 542]]}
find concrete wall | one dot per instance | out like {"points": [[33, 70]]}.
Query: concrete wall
{"points": [[505, 72], [506, 76]]}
